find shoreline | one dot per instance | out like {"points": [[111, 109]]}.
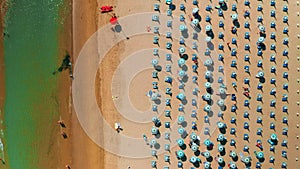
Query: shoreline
{"points": [[3, 9], [63, 156]]}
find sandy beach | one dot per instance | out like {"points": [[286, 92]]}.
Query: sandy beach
{"points": [[87, 19]]}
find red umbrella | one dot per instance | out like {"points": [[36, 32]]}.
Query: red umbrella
{"points": [[113, 20]]}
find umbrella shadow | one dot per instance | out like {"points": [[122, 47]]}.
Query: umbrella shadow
{"points": [[158, 68], [210, 34], [185, 68], [157, 146], [184, 102], [172, 7], [236, 23], [158, 101], [224, 7], [262, 80], [118, 28], [185, 57], [185, 78], [210, 114], [210, 45], [185, 34]]}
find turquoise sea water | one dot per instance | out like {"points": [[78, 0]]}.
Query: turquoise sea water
{"points": [[31, 55]]}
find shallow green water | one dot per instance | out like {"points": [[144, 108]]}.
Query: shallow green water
{"points": [[31, 55]]}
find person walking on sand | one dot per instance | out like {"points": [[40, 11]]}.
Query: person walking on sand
{"points": [[61, 123], [68, 167]]}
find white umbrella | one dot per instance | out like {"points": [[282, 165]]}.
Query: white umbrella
{"points": [[182, 27], [207, 96], [208, 62], [222, 90], [181, 50], [261, 28], [234, 16], [221, 102], [181, 73], [208, 74], [207, 85], [220, 160], [233, 165], [195, 22], [260, 74], [181, 62], [207, 165], [195, 10], [261, 39], [208, 27], [246, 160], [154, 62], [207, 108], [206, 154], [208, 39]]}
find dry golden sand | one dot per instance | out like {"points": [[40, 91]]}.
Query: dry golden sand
{"points": [[87, 20]]}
